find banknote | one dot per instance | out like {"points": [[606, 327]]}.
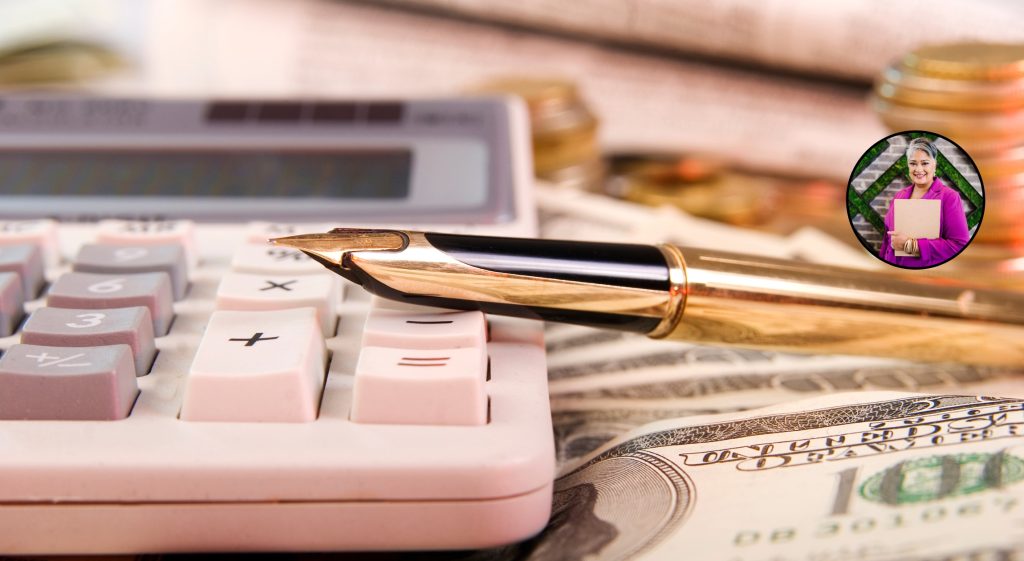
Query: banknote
{"points": [[867, 476]]}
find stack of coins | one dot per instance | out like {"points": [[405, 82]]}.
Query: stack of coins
{"points": [[972, 93], [565, 145], [700, 185]]}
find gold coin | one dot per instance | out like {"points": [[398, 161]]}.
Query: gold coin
{"points": [[554, 150], [968, 61], [554, 103], [979, 125], [696, 185], [1009, 185], [1002, 234], [1005, 164], [987, 147], [906, 88], [565, 143], [998, 266], [665, 167], [57, 62], [586, 176]]}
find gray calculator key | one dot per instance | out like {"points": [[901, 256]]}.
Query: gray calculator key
{"points": [[92, 292], [55, 383], [27, 261], [62, 327], [130, 259], [12, 303]]}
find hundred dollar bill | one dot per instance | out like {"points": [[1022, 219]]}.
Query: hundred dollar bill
{"points": [[866, 476], [604, 384], [599, 369]]}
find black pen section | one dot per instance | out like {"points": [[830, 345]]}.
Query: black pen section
{"points": [[624, 265], [614, 264]]}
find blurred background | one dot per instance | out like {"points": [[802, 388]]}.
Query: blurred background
{"points": [[748, 113], [733, 124]]}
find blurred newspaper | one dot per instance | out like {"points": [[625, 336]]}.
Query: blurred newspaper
{"points": [[842, 39], [317, 48]]}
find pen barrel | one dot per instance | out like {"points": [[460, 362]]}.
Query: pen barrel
{"points": [[782, 305], [604, 285]]}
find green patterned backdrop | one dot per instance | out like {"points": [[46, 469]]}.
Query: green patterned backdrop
{"points": [[882, 171]]}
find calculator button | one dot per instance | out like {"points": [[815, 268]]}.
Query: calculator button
{"points": [[263, 259], [12, 303], [257, 366], [55, 383], [94, 291], [151, 232], [260, 232], [445, 330], [378, 303], [131, 259], [41, 233], [26, 261], [239, 291], [420, 387], [61, 327]]}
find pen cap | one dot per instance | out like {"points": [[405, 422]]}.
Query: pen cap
{"points": [[784, 305]]}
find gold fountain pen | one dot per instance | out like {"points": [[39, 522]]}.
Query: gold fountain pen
{"points": [[674, 292]]}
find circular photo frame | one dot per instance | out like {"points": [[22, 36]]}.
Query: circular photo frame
{"points": [[915, 199]]}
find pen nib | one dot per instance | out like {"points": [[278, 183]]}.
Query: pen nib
{"points": [[332, 246]]}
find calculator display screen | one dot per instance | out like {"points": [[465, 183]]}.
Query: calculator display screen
{"points": [[328, 174]]}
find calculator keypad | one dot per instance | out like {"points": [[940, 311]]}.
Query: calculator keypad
{"points": [[257, 367], [57, 383], [132, 259], [95, 292], [277, 383], [59, 327]]}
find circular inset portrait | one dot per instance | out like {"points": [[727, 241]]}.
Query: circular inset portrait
{"points": [[915, 199]]}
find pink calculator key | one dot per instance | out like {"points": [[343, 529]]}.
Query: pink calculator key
{"points": [[257, 367], [151, 232], [40, 232], [26, 260], [239, 291], [378, 303], [444, 330], [56, 383], [420, 387], [264, 259]]}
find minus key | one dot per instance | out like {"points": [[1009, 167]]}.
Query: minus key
{"points": [[441, 330]]}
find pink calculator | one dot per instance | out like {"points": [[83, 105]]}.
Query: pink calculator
{"points": [[169, 382]]}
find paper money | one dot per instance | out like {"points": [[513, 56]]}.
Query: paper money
{"points": [[849, 476], [603, 384]]}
